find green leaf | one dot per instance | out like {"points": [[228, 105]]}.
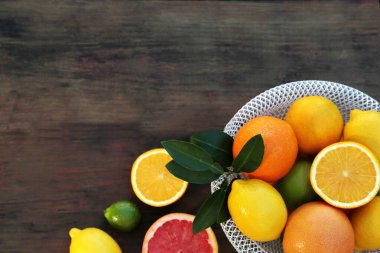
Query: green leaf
{"points": [[224, 213], [208, 212], [217, 168], [251, 155], [191, 156], [194, 177], [217, 143]]}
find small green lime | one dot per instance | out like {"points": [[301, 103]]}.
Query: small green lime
{"points": [[123, 215], [295, 187]]}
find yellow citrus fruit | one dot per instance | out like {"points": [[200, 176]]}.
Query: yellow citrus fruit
{"points": [[92, 240], [363, 127], [316, 121], [366, 223], [280, 144], [257, 209], [152, 183], [345, 174], [317, 227]]}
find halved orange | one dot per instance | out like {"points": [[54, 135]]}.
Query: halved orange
{"points": [[345, 174], [152, 183]]}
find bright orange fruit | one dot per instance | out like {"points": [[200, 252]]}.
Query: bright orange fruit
{"points": [[345, 174], [316, 121], [151, 181], [280, 146], [317, 227]]}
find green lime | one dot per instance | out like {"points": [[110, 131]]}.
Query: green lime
{"points": [[295, 187], [123, 215]]}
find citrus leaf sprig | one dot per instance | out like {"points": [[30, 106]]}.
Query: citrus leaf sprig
{"points": [[217, 144], [210, 211], [194, 177], [204, 159], [251, 155], [192, 157]]}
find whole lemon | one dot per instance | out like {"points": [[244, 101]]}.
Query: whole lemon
{"points": [[366, 223], [92, 240], [316, 121], [257, 209], [363, 127]]}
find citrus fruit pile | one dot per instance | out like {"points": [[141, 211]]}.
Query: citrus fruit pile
{"points": [[154, 185], [317, 182], [309, 179]]}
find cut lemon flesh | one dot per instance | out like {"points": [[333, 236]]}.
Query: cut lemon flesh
{"points": [[152, 183], [345, 175]]}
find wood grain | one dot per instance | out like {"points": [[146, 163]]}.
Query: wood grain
{"points": [[86, 86]]}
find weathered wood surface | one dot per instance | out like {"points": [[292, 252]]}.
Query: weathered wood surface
{"points": [[86, 86]]}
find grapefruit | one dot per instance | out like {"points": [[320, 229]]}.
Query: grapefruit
{"points": [[172, 233], [317, 227]]}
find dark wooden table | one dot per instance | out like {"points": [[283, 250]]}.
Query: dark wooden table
{"points": [[86, 86]]}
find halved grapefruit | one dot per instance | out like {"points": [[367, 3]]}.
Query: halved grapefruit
{"points": [[172, 233]]}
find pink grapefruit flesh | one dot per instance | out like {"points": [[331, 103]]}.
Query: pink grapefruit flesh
{"points": [[172, 233]]}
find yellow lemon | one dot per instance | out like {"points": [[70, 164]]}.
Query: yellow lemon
{"points": [[257, 209], [92, 240], [316, 121], [363, 127], [366, 223]]}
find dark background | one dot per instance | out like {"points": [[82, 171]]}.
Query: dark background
{"points": [[86, 86]]}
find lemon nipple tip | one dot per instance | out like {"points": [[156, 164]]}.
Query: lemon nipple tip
{"points": [[73, 232]]}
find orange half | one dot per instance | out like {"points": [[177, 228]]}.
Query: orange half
{"points": [[345, 175], [151, 181]]}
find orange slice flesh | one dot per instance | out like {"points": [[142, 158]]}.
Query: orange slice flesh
{"points": [[345, 175], [152, 183]]}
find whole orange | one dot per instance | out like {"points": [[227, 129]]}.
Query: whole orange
{"points": [[280, 144], [316, 121], [317, 227]]}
